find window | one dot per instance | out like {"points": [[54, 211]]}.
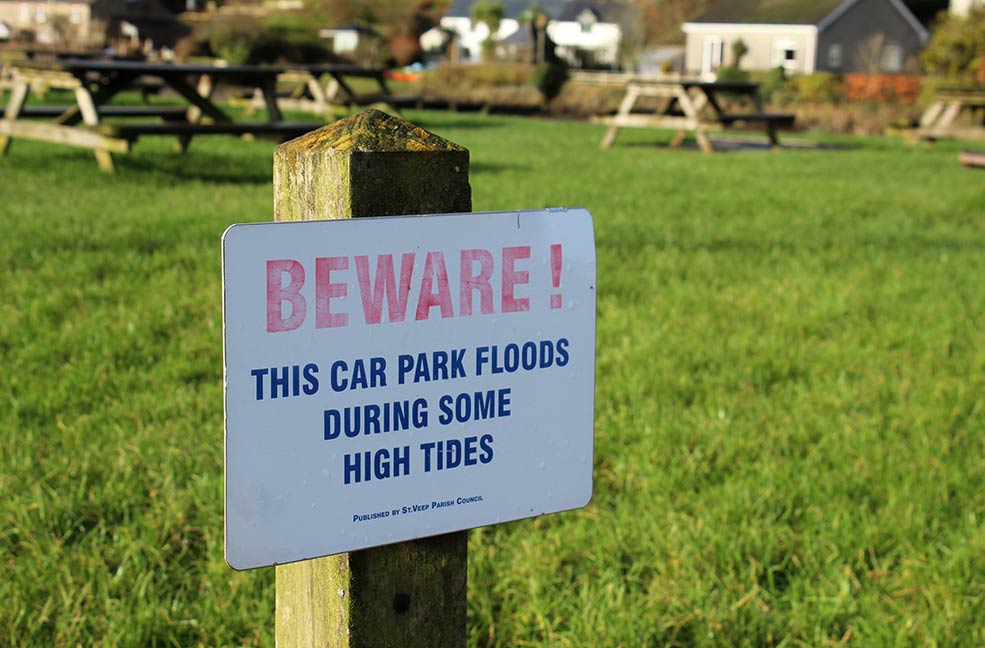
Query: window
{"points": [[785, 54], [25, 16], [835, 56], [75, 15], [345, 41], [892, 58], [711, 57], [40, 15]]}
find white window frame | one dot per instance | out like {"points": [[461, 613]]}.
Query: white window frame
{"points": [[891, 59], [712, 54], [836, 56], [780, 48]]}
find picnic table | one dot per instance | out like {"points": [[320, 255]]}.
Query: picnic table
{"points": [[323, 88], [954, 114], [693, 106], [95, 83]]}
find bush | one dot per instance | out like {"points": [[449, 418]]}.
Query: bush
{"points": [[883, 88], [549, 78], [452, 78], [500, 74], [820, 87], [240, 41], [773, 85], [731, 73], [957, 46], [739, 50], [232, 42]]}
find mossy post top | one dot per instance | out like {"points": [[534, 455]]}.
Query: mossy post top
{"points": [[370, 131], [369, 164]]}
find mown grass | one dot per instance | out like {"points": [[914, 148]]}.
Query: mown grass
{"points": [[789, 416]]}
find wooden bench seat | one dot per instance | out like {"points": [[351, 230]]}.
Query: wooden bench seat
{"points": [[280, 130], [165, 112], [783, 120]]}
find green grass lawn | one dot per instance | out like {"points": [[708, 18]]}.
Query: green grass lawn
{"points": [[790, 447]]}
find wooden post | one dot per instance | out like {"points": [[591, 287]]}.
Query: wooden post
{"points": [[412, 593]]}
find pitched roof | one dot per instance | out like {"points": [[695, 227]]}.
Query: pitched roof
{"points": [[511, 8], [604, 11], [768, 12]]}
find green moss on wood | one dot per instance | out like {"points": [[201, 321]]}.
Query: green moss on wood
{"points": [[369, 164], [370, 131]]}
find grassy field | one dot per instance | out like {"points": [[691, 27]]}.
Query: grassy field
{"points": [[790, 447]]}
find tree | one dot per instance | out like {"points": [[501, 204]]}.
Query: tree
{"points": [[958, 45], [536, 21], [490, 14], [870, 52], [661, 19], [739, 49]]}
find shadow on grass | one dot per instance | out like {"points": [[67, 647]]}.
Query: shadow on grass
{"points": [[735, 145], [471, 121], [495, 169], [150, 166], [201, 166]]}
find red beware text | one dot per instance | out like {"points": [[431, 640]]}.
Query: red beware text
{"points": [[388, 286]]}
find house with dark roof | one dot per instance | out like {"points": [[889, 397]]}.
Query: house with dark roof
{"points": [[591, 34], [470, 35], [85, 23], [805, 36], [587, 34]]}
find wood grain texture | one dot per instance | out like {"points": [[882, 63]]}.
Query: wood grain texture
{"points": [[408, 594]]}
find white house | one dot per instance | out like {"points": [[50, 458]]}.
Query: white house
{"points": [[589, 34], [805, 37], [585, 33], [346, 39], [962, 7], [434, 39]]}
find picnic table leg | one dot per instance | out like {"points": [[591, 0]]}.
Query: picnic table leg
{"points": [[703, 140], [943, 117], [103, 95], [932, 114], [772, 134], [679, 98], [317, 91], [91, 118], [204, 89], [255, 103], [950, 114], [692, 110], [343, 87], [17, 98], [625, 107], [771, 129], [332, 89], [269, 90]]}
